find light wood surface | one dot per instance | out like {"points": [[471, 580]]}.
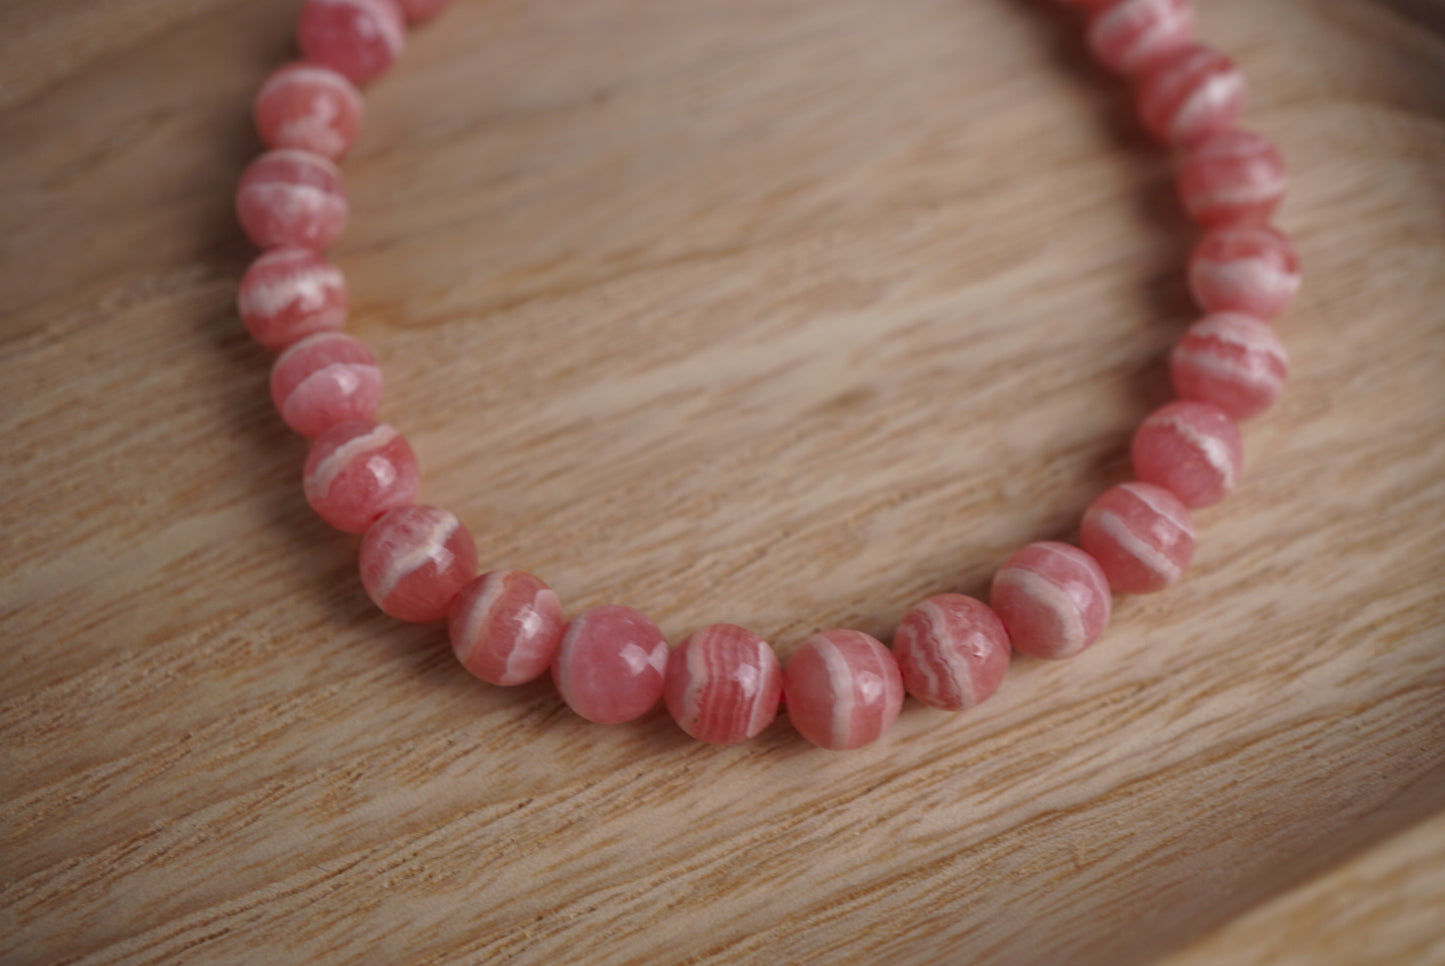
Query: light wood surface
{"points": [[781, 312]]}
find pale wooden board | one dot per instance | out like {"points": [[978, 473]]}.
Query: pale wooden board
{"points": [[783, 312]]}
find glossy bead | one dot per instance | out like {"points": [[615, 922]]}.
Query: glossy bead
{"points": [[290, 293], [1130, 36], [506, 626], [611, 664], [952, 651], [357, 38], [1252, 269], [1190, 95], [294, 198], [1232, 178], [1233, 361], [843, 689], [418, 10], [1053, 599], [357, 471], [415, 560], [323, 380], [1141, 536], [1192, 449], [723, 684], [309, 107]]}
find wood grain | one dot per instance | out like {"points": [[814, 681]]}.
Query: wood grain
{"points": [[781, 312]]}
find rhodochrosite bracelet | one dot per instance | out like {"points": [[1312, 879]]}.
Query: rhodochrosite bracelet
{"points": [[722, 684]]}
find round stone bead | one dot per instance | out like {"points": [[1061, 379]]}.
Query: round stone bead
{"points": [[1252, 269], [309, 107], [952, 650], [611, 664], [290, 293], [505, 627], [325, 379], [1233, 361], [418, 10], [843, 689], [1192, 449], [1141, 536], [1191, 94], [291, 197], [1053, 599], [415, 560], [1131, 36], [357, 38], [723, 684], [1233, 177], [357, 471]]}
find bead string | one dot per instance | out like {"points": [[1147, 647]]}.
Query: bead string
{"points": [[724, 684]]}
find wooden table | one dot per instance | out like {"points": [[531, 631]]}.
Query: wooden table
{"points": [[782, 312]]}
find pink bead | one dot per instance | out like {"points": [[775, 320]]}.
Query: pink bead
{"points": [[952, 650], [357, 38], [723, 684], [1130, 36], [843, 689], [418, 10], [506, 626], [1053, 599], [309, 107], [1190, 95], [1232, 178], [291, 197], [1252, 269], [325, 379], [611, 664], [1233, 361], [1192, 449], [290, 293], [357, 471], [415, 560], [1141, 536]]}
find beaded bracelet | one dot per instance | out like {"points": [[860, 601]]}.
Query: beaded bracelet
{"points": [[724, 684]]}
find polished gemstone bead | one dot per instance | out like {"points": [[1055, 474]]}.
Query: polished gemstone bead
{"points": [[723, 684], [309, 107], [505, 627], [1233, 177], [1052, 598], [419, 10], [611, 664], [1190, 95], [1252, 269], [1192, 449], [357, 38], [415, 560], [952, 650], [843, 689], [290, 293], [291, 197], [1233, 361], [357, 471], [1130, 36], [325, 379], [1141, 536]]}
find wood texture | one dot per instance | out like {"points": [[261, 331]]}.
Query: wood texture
{"points": [[781, 312]]}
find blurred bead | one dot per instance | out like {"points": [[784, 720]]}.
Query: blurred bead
{"points": [[1141, 536], [357, 38], [723, 684], [1232, 178], [843, 689], [506, 626], [415, 560], [1231, 360], [611, 664], [418, 10], [1190, 95], [1190, 448], [323, 380], [309, 107], [294, 198], [1252, 269], [290, 293], [1130, 36], [1053, 599], [952, 651], [357, 471]]}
